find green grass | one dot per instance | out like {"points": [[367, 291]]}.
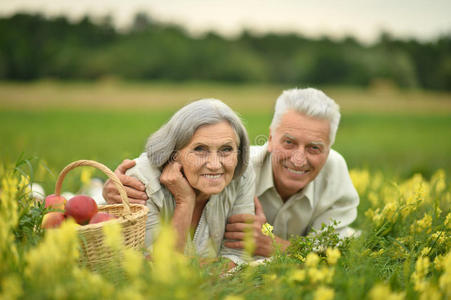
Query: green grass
{"points": [[398, 132], [401, 144]]}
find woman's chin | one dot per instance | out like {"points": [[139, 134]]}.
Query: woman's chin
{"points": [[208, 191]]}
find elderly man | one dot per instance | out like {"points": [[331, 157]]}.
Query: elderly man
{"points": [[300, 181]]}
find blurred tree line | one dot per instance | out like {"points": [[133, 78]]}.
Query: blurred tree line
{"points": [[32, 47]]}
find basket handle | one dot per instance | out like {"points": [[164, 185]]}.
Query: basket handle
{"points": [[102, 168]]}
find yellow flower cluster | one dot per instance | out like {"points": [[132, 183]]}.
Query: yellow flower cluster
{"points": [[423, 224], [267, 230], [383, 292], [419, 275]]}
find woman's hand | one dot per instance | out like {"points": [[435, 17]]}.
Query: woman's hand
{"points": [[173, 178]]}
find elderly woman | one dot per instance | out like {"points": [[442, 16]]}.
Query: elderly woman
{"points": [[196, 174]]}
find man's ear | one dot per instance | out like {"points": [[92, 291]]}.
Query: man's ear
{"points": [[270, 141]]}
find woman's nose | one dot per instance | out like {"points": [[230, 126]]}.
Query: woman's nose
{"points": [[213, 161]]}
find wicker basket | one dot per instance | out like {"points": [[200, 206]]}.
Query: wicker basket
{"points": [[131, 217]]}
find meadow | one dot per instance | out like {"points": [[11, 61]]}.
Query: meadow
{"points": [[400, 132], [396, 143]]}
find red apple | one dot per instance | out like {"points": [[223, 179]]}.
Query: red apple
{"points": [[82, 208], [55, 202], [101, 217], [52, 219]]}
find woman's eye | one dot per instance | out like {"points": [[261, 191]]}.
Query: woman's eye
{"points": [[226, 149], [200, 149]]}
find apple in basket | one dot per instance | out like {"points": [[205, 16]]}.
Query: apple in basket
{"points": [[53, 219], [55, 202], [82, 208], [101, 217]]}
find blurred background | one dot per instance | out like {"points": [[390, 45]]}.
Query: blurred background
{"points": [[92, 80]]}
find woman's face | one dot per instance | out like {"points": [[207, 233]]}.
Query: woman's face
{"points": [[210, 158]]}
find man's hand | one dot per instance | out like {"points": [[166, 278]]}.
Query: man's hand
{"points": [[135, 189], [239, 224]]}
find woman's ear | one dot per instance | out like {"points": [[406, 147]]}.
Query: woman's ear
{"points": [[174, 156]]}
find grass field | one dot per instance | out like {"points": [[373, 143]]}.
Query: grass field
{"points": [[398, 132]]}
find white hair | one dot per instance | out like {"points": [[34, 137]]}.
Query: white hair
{"points": [[310, 102], [178, 131]]}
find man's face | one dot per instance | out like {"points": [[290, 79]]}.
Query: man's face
{"points": [[299, 148]]}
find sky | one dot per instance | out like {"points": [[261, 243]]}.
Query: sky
{"points": [[362, 19]]}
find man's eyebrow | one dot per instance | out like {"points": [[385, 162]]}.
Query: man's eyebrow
{"points": [[317, 144], [289, 136]]}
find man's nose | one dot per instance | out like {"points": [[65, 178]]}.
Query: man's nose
{"points": [[213, 161], [298, 158]]}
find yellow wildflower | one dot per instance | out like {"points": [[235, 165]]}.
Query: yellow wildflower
{"points": [[58, 251], [383, 292], [333, 254], [360, 179], [445, 279], [374, 198], [249, 243], [300, 257], [324, 293], [439, 237], [389, 211], [438, 181], [167, 262], [377, 253], [233, 297], [297, 275], [423, 224], [419, 275], [448, 221], [430, 293], [267, 230], [425, 251], [113, 235], [86, 174], [132, 263], [24, 184], [439, 262], [11, 288], [323, 274], [312, 260]]}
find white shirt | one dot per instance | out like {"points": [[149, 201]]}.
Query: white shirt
{"points": [[330, 196], [236, 198]]}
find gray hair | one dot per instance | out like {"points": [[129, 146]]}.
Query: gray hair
{"points": [[310, 102], [178, 131]]}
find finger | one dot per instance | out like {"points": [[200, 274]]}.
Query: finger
{"points": [[137, 201], [113, 199], [258, 207], [241, 218], [125, 165], [234, 245], [238, 227], [135, 194], [132, 182], [234, 235]]}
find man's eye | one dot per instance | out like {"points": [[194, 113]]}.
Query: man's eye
{"points": [[315, 149], [288, 143]]}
